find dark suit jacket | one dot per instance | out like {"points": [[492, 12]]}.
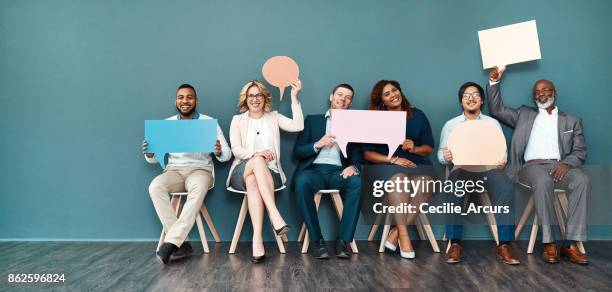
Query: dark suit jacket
{"points": [[572, 146], [303, 151]]}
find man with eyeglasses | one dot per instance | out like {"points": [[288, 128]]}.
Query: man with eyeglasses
{"points": [[499, 185], [547, 151], [322, 166], [191, 172]]}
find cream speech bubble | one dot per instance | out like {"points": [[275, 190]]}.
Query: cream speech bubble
{"points": [[477, 142], [369, 126], [280, 71]]}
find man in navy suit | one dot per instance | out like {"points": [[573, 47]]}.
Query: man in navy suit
{"points": [[322, 166]]}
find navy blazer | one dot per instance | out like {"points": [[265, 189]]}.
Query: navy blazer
{"points": [[303, 151]]}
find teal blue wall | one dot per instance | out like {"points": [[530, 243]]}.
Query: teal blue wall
{"points": [[77, 79]]}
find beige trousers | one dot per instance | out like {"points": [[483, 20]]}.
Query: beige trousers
{"points": [[196, 181]]}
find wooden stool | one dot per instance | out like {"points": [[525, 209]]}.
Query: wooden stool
{"points": [[244, 210], [561, 209], [176, 205], [421, 223], [337, 200]]}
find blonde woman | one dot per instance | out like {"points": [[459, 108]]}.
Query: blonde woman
{"points": [[255, 140]]}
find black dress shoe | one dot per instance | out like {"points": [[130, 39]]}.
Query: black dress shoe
{"points": [[341, 250], [283, 230], [181, 252], [320, 250], [165, 251], [258, 259]]}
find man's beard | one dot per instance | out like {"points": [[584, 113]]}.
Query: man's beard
{"points": [[546, 104], [188, 113]]}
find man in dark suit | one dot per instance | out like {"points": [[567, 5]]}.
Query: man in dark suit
{"points": [[322, 166], [547, 151]]}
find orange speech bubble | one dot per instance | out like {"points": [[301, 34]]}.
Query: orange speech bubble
{"points": [[280, 71], [477, 142]]}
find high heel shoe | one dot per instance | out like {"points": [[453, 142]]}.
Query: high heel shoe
{"points": [[258, 259], [388, 245], [283, 230], [406, 254]]}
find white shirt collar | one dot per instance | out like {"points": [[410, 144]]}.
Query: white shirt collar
{"points": [[327, 114], [466, 118]]}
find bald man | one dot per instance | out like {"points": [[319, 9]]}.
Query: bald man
{"points": [[546, 152]]}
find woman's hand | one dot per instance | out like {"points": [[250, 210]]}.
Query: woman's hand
{"points": [[144, 149], [296, 87], [266, 154], [408, 145]]}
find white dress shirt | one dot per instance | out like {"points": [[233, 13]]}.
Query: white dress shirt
{"points": [[544, 138], [328, 155], [259, 138]]}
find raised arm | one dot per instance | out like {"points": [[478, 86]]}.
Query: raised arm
{"points": [[507, 115]]}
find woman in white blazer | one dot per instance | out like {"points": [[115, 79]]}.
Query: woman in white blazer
{"points": [[255, 142]]}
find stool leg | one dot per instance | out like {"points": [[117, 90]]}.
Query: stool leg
{"points": [[419, 229], [302, 232], [244, 210], [210, 224], [429, 232], [524, 217], [306, 243], [485, 200], [279, 240], [384, 236], [202, 233], [339, 206], [534, 234], [375, 227]]}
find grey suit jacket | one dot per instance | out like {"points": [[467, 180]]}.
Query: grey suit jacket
{"points": [[572, 146]]}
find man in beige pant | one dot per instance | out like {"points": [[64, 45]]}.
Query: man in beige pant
{"points": [[191, 172]]}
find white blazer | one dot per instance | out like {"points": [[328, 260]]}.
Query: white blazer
{"points": [[276, 121]]}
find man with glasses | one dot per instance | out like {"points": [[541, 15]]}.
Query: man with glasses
{"points": [[547, 151], [499, 185], [322, 166]]}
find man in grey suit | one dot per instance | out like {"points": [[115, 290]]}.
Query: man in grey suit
{"points": [[547, 151]]}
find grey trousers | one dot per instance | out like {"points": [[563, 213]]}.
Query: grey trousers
{"points": [[576, 183]]}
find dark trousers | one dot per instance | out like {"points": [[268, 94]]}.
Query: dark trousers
{"points": [[324, 176], [499, 185]]}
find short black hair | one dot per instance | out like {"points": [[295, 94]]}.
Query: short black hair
{"points": [[469, 84], [185, 85], [343, 85]]}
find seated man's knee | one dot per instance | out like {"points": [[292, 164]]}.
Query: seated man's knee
{"points": [[157, 187]]}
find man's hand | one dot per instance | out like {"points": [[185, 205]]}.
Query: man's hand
{"points": [[495, 75], [448, 155], [349, 171], [266, 154], [144, 149], [559, 171], [326, 141], [408, 145], [403, 162], [218, 148]]}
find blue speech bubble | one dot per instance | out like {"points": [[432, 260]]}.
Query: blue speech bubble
{"points": [[180, 136]]}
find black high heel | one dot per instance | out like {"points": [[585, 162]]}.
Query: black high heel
{"points": [[282, 231]]}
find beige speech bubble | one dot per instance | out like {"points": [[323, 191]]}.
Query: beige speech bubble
{"points": [[477, 142], [280, 71]]}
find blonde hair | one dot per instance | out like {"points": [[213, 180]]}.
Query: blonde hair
{"points": [[242, 99]]}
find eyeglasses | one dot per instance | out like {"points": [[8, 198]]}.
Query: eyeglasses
{"points": [[258, 96], [544, 90], [387, 93], [473, 95]]}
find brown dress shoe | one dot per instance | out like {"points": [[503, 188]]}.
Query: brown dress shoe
{"points": [[574, 255], [454, 254], [504, 253], [550, 254]]}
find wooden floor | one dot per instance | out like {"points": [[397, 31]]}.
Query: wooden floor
{"points": [[131, 266]]}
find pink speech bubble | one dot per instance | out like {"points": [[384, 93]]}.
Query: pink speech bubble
{"points": [[366, 126], [477, 142], [280, 71]]}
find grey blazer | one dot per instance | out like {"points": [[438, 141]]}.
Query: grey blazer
{"points": [[572, 146]]}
